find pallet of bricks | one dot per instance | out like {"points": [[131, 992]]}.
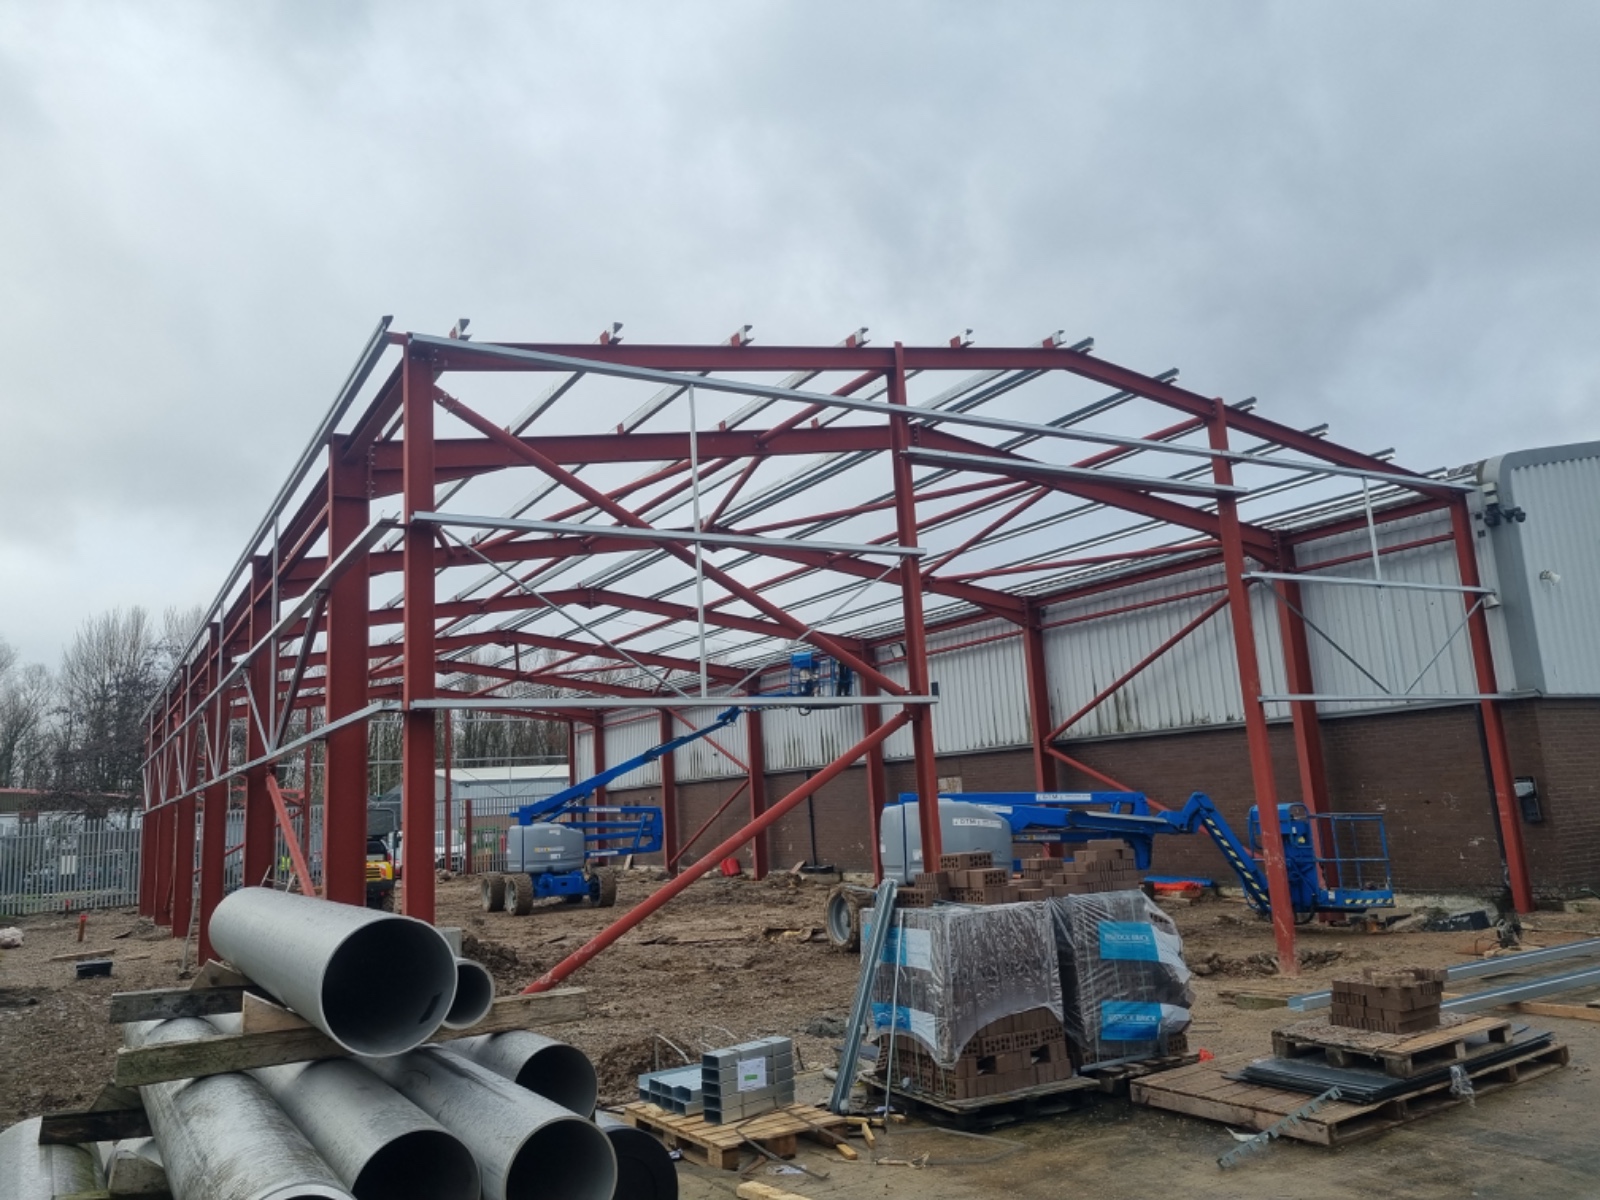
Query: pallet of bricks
{"points": [[966, 1002], [973, 878], [1009, 1055], [1394, 1001]]}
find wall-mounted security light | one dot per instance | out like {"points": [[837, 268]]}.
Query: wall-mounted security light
{"points": [[1528, 798]]}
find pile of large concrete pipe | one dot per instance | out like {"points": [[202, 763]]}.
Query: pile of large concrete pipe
{"points": [[505, 1116]]}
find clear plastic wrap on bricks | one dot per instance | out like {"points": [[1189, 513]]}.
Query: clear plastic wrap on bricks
{"points": [[1109, 966], [962, 968], [1123, 978]]}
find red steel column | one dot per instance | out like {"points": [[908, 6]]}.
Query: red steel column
{"points": [[599, 755], [877, 777], [1038, 680], [756, 757], [260, 823], [905, 511], [417, 748], [1494, 733], [669, 796], [1255, 716], [344, 764], [214, 815], [183, 843], [172, 784]]}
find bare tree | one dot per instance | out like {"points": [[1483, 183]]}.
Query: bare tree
{"points": [[108, 675], [26, 692]]}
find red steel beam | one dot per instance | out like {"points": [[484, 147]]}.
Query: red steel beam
{"points": [[1139, 667], [1255, 716], [795, 628], [916, 637], [291, 839], [672, 861], [262, 675], [345, 685], [214, 802], [417, 749], [1494, 733], [669, 794], [729, 845], [1038, 684], [756, 751]]}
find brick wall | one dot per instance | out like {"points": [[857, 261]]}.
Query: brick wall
{"points": [[1424, 771]]}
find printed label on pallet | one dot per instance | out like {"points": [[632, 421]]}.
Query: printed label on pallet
{"points": [[1132, 941], [914, 1021]]}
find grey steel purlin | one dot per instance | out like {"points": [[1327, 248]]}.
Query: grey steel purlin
{"points": [[377, 983], [222, 1137], [871, 956], [1527, 989], [553, 1069], [378, 1143], [474, 995], [527, 1147], [29, 1171], [1478, 968], [644, 1166]]}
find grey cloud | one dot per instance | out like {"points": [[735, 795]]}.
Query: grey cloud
{"points": [[1383, 216]]}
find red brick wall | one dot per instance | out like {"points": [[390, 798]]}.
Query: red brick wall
{"points": [[1424, 771]]}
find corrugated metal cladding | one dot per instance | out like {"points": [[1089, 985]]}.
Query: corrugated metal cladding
{"points": [[628, 735], [1547, 570], [1547, 567], [1392, 633]]}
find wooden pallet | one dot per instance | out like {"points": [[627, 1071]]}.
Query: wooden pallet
{"points": [[1114, 1081], [1033, 1101], [1205, 1091], [1401, 1055], [721, 1146]]}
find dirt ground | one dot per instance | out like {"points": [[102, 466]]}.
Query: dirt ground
{"points": [[728, 961]]}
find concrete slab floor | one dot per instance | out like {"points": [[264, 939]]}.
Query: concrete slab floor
{"points": [[1538, 1139]]}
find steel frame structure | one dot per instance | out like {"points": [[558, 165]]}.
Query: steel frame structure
{"points": [[294, 652]]}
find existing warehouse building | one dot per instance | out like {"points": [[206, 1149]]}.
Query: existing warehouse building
{"points": [[1177, 726]]}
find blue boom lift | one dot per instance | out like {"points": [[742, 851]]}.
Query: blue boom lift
{"points": [[550, 848], [1337, 862]]}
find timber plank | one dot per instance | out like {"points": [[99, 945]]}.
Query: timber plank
{"points": [[164, 1004], [109, 1125], [246, 1051]]}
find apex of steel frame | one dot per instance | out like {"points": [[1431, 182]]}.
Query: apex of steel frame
{"points": [[563, 530]]}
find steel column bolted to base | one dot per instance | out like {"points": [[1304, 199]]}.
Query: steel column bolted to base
{"points": [[376, 983], [527, 1147], [223, 1137], [553, 1069]]}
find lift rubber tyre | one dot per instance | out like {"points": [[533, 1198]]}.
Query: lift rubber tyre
{"points": [[494, 893], [519, 895], [603, 888], [841, 916]]}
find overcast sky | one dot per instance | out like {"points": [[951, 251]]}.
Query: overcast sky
{"points": [[1382, 216]]}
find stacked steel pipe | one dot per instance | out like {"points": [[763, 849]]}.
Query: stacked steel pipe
{"points": [[402, 1119]]}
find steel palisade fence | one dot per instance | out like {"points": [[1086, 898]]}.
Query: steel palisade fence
{"points": [[68, 861]]}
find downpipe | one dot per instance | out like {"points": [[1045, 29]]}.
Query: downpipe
{"points": [[222, 1137], [553, 1069], [527, 1147], [377, 983]]}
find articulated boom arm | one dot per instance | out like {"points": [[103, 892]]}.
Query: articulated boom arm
{"points": [[1201, 813], [552, 806]]}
